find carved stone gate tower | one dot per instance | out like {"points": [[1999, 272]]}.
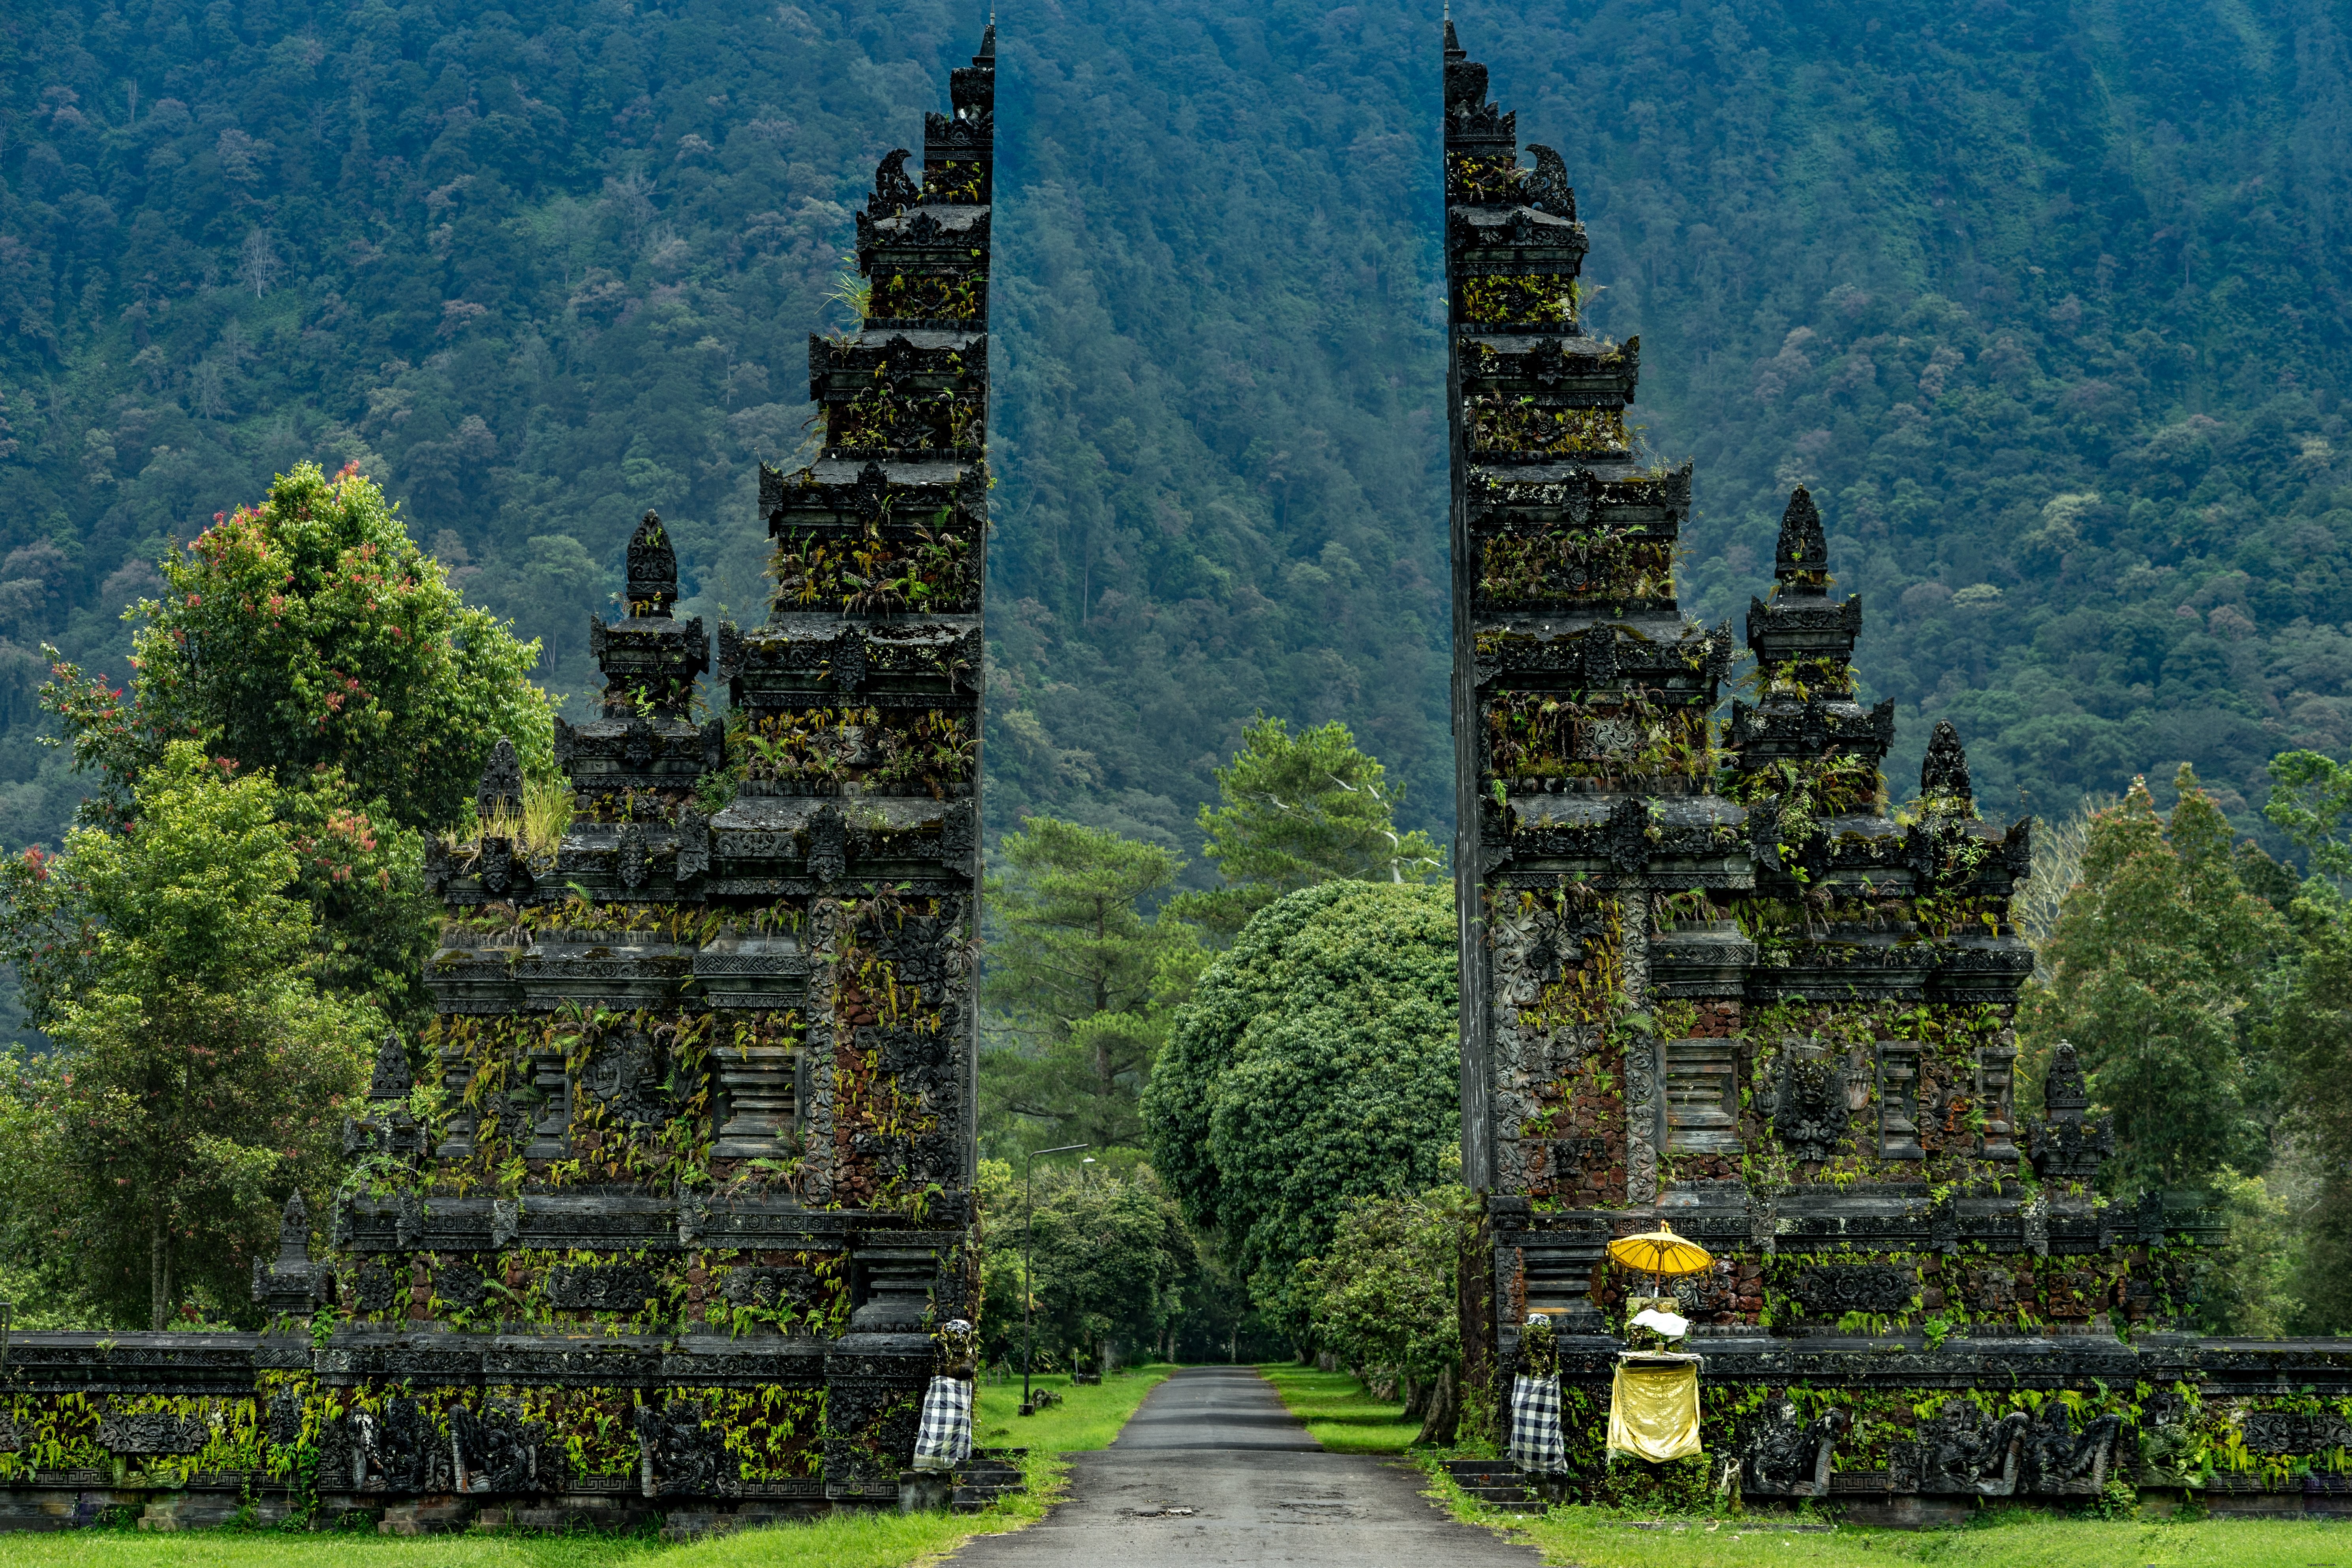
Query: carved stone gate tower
{"points": [[1710, 976], [670, 1216]]}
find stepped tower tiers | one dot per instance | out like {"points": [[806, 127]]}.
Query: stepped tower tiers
{"points": [[1713, 980], [667, 1212]]}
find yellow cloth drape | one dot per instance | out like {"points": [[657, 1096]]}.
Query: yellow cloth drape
{"points": [[1654, 1410]]}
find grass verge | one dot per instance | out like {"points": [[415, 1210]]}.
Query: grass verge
{"points": [[1340, 1411], [1089, 1418], [1995, 1538]]}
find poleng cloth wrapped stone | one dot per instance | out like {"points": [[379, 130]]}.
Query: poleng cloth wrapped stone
{"points": [[943, 1434], [1653, 1408]]}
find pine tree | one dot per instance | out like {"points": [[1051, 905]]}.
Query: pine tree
{"points": [[2160, 964], [1079, 979], [1301, 810]]}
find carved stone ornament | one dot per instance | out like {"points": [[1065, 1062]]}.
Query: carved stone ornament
{"points": [[495, 1450], [408, 1222], [1944, 772], [2288, 1432], [151, 1432], [828, 844], [2059, 1461], [693, 846], [601, 1287], [2068, 1146], [496, 863], [391, 1079], [1808, 1111], [1465, 79], [869, 496], [1991, 1290], [375, 1289], [624, 1073], [631, 857], [1801, 549], [1546, 188], [1961, 1451], [395, 1449], [1833, 1289], [653, 569], [462, 1286], [958, 835], [764, 1286], [499, 792], [677, 1456], [1784, 1455], [849, 662], [893, 191]]}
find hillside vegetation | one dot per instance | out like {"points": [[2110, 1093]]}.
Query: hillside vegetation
{"points": [[2045, 302]]}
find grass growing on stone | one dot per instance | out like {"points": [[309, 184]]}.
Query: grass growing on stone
{"points": [[1089, 1418], [1996, 1538], [1339, 1411]]}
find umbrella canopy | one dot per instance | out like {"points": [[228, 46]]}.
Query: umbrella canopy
{"points": [[1660, 1252]]}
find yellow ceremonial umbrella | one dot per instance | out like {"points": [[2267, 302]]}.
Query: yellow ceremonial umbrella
{"points": [[1660, 1253]]}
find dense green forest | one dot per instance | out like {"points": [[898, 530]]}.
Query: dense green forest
{"points": [[2045, 302]]}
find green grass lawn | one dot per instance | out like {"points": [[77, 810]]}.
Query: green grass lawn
{"points": [[1999, 1538], [1089, 1418], [1339, 1411]]}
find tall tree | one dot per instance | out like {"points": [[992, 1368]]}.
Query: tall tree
{"points": [[1109, 1258], [311, 636], [1077, 977], [1319, 1061], [2313, 1035], [1300, 810], [199, 1073], [2311, 802], [2159, 964], [1383, 1295]]}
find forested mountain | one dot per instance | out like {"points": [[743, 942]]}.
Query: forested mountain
{"points": [[2045, 302]]}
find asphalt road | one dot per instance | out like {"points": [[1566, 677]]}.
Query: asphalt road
{"points": [[1216, 1440]]}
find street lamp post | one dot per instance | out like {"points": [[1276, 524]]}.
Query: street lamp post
{"points": [[1028, 1289]]}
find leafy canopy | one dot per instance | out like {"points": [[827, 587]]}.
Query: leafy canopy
{"points": [[1077, 976], [199, 1072], [1111, 1257], [1301, 810], [2311, 1039], [1382, 1292], [311, 633], [1319, 1061], [2157, 954], [2311, 802]]}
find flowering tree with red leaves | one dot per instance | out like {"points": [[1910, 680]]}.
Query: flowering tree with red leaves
{"points": [[308, 634], [310, 638]]}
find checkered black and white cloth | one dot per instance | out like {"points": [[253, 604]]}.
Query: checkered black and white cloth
{"points": [[1536, 1445], [943, 1441]]}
